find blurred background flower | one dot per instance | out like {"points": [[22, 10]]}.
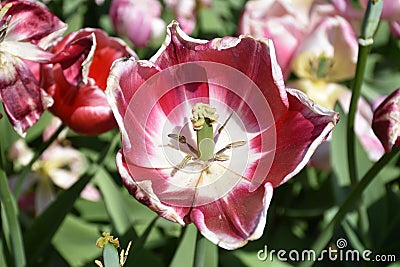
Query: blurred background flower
{"points": [[185, 12], [59, 166], [138, 20], [354, 12]]}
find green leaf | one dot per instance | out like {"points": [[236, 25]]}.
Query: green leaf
{"points": [[2, 253], [10, 210], [39, 235], [91, 210], [75, 240], [206, 253], [113, 201], [251, 259], [184, 255]]}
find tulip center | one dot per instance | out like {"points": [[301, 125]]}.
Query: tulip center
{"points": [[202, 159], [321, 66], [203, 118]]}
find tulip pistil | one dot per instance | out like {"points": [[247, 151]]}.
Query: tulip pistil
{"points": [[203, 118]]}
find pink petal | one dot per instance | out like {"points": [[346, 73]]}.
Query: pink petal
{"points": [[44, 195], [229, 221], [240, 216], [395, 27], [20, 153], [305, 126], [91, 193], [285, 22], [333, 39], [185, 13], [386, 121], [362, 127], [143, 192], [25, 50], [240, 53], [23, 100]]}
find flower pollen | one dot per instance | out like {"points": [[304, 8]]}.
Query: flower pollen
{"points": [[107, 239], [201, 112]]}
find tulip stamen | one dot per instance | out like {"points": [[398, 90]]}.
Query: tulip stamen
{"points": [[230, 146], [182, 140], [3, 28]]}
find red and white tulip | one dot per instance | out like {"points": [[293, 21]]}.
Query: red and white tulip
{"points": [[209, 130]]}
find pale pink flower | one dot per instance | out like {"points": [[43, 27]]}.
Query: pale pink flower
{"points": [[186, 12], [58, 165], [139, 20]]}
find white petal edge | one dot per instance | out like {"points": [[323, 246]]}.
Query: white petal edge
{"points": [[144, 190]]}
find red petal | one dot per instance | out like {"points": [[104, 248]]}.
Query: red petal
{"points": [[84, 109], [77, 79], [72, 57]]}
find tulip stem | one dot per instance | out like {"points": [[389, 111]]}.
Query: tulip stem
{"points": [[10, 209], [349, 203], [369, 27], [356, 92]]}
